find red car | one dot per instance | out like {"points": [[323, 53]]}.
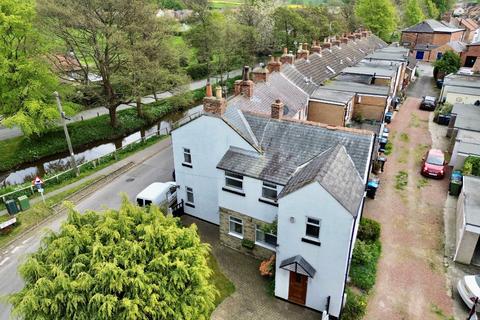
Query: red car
{"points": [[433, 165]]}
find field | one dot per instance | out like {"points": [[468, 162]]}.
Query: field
{"points": [[225, 4]]}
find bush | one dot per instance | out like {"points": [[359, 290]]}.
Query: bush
{"points": [[363, 270], [249, 244], [471, 166], [197, 71], [355, 307], [369, 230]]}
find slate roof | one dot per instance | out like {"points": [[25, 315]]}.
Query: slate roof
{"points": [[332, 95], [294, 262], [468, 142], [431, 26], [460, 80], [468, 116], [287, 144], [357, 88], [299, 79], [335, 172], [278, 86], [471, 205], [469, 24]]}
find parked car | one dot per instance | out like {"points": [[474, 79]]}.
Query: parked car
{"points": [[433, 164], [468, 288], [428, 103]]}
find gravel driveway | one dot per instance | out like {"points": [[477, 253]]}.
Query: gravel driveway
{"points": [[411, 281]]}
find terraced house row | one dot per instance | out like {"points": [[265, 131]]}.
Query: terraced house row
{"points": [[281, 167]]}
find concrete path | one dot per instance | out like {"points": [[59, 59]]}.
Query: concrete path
{"points": [[7, 133]]}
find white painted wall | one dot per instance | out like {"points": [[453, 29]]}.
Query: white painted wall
{"points": [[248, 204], [208, 138], [330, 259]]}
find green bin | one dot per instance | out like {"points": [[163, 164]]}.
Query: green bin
{"points": [[455, 187], [11, 206], [24, 203]]}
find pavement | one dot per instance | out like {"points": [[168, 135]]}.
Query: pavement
{"points": [[8, 133], [152, 164]]}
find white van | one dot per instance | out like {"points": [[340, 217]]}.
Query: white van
{"points": [[158, 193]]}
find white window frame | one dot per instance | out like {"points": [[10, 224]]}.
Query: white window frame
{"points": [[229, 175], [189, 190], [258, 228], [319, 225], [187, 151], [238, 221], [269, 186]]}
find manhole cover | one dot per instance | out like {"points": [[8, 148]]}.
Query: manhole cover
{"points": [[130, 179]]}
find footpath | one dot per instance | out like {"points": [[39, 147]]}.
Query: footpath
{"points": [[8, 133], [119, 166]]}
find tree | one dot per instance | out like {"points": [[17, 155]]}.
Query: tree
{"points": [[97, 32], [26, 84], [449, 63], [413, 13], [443, 5], [133, 263], [431, 9], [289, 26], [377, 15]]}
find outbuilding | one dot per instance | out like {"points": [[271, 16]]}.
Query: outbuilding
{"points": [[468, 222]]}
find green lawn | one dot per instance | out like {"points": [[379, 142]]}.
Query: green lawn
{"points": [[224, 286]]}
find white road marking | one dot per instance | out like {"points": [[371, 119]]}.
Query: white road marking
{"points": [[4, 260], [26, 240], [16, 248]]}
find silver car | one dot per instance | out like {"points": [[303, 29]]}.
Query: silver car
{"points": [[469, 288]]}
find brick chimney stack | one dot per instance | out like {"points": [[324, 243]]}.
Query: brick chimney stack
{"points": [[336, 43], [287, 57], [260, 74], [274, 64], [277, 109], [358, 35], [316, 47], [326, 45], [244, 86], [351, 36], [215, 105], [364, 34], [344, 40]]}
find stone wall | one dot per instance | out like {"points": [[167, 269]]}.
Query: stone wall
{"points": [[235, 243]]}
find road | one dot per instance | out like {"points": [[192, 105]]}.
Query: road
{"points": [[8, 133], [159, 167]]}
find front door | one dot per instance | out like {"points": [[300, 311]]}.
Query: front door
{"points": [[297, 292], [470, 61]]}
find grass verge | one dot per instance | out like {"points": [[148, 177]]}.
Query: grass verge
{"points": [[224, 286], [37, 213]]}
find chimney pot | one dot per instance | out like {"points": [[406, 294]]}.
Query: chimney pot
{"points": [[277, 109], [208, 88], [275, 64], [219, 92]]}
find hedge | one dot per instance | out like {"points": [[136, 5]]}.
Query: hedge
{"points": [[471, 166], [355, 307]]}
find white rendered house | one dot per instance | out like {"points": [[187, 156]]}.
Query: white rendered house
{"points": [[243, 171]]}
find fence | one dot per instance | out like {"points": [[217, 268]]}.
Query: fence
{"points": [[70, 173]]}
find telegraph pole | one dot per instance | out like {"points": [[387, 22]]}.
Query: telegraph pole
{"points": [[67, 136]]}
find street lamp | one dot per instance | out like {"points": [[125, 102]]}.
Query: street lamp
{"points": [[67, 136]]}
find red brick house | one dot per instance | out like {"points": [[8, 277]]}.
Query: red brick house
{"points": [[428, 35], [470, 54]]}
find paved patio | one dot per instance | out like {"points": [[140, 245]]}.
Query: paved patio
{"points": [[250, 299]]}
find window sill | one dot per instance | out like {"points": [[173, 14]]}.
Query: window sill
{"points": [[188, 165], [310, 241], [268, 201], [188, 204], [237, 192], [266, 246], [236, 235]]}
